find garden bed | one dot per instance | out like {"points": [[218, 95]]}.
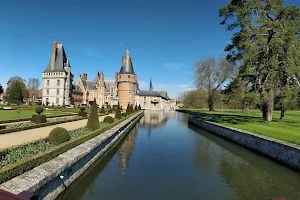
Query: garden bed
{"points": [[28, 119], [29, 125], [15, 161]]}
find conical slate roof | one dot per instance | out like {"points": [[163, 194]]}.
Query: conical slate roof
{"points": [[60, 60], [127, 66]]}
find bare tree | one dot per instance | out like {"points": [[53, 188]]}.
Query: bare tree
{"points": [[210, 74], [33, 84]]}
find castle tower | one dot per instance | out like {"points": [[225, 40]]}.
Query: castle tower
{"points": [[126, 82], [57, 78]]}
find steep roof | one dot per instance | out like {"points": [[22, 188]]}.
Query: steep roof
{"points": [[76, 88], [109, 84], [127, 66], [60, 59], [150, 93]]}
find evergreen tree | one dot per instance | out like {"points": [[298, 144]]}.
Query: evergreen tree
{"points": [[135, 108], [139, 107], [266, 44], [128, 110], [93, 120], [118, 114], [1, 89]]}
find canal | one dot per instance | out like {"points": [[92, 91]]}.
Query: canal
{"points": [[165, 158]]}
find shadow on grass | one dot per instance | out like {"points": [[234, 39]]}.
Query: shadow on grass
{"points": [[234, 119]]}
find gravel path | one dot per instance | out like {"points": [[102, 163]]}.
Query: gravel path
{"points": [[22, 137]]}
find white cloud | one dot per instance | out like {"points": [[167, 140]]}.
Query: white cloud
{"points": [[172, 66]]}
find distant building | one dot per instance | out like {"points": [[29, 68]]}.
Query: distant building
{"points": [[34, 96], [58, 89], [153, 100], [57, 78]]}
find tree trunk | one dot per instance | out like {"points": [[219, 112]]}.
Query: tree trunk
{"points": [[267, 106], [210, 103], [282, 112]]}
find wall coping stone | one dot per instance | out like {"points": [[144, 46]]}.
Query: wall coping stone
{"points": [[33, 179]]}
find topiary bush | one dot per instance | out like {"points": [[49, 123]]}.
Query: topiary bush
{"points": [[102, 110], [124, 114], [135, 108], [118, 114], [39, 110], [82, 109], [108, 119], [58, 136], [81, 113], [38, 118], [93, 121], [139, 107], [110, 110]]}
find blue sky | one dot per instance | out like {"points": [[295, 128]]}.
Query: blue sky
{"points": [[166, 38]]}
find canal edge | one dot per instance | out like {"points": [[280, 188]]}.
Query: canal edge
{"points": [[282, 152], [50, 179]]}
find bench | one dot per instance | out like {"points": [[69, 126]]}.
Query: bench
{"points": [[25, 195]]}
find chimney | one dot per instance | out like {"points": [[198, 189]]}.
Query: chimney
{"points": [[84, 77], [116, 78], [53, 55]]}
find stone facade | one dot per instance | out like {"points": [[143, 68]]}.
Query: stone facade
{"points": [[57, 78], [58, 89]]}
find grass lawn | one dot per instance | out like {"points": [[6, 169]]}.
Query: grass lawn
{"points": [[13, 114], [287, 129]]}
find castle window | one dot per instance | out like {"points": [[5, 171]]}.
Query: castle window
{"points": [[47, 91], [128, 76], [48, 82], [57, 101], [120, 76], [145, 98], [58, 82], [57, 92], [129, 94], [47, 100]]}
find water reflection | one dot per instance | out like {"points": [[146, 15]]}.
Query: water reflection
{"points": [[125, 150], [247, 173]]}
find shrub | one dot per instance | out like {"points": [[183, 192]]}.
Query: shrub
{"points": [[38, 119], [58, 136], [39, 110], [108, 119], [135, 108], [124, 114], [139, 107], [102, 110], [82, 109], [93, 121], [82, 114], [110, 110], [118, 114]]}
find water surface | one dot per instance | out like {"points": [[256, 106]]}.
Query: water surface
{"points": [[165, 158]]}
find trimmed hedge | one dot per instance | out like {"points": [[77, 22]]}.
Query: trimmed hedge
{"points": [[10, 171], [108, 119], [4, 131], [58, 136], [28, 119], [38, 119]]}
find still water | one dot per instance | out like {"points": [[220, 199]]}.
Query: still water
{"points": [[165, 158]]}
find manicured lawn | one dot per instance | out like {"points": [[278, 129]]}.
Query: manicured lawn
{"points": [[287, 129], [13, 114]]}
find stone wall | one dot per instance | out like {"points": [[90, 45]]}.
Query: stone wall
{"points": [[280, 151], [50, 179]]}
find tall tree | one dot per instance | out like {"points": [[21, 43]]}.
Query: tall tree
{"points": [[210, 74], [266, 43], [16, 90], [1, 89], [33, 84]]}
